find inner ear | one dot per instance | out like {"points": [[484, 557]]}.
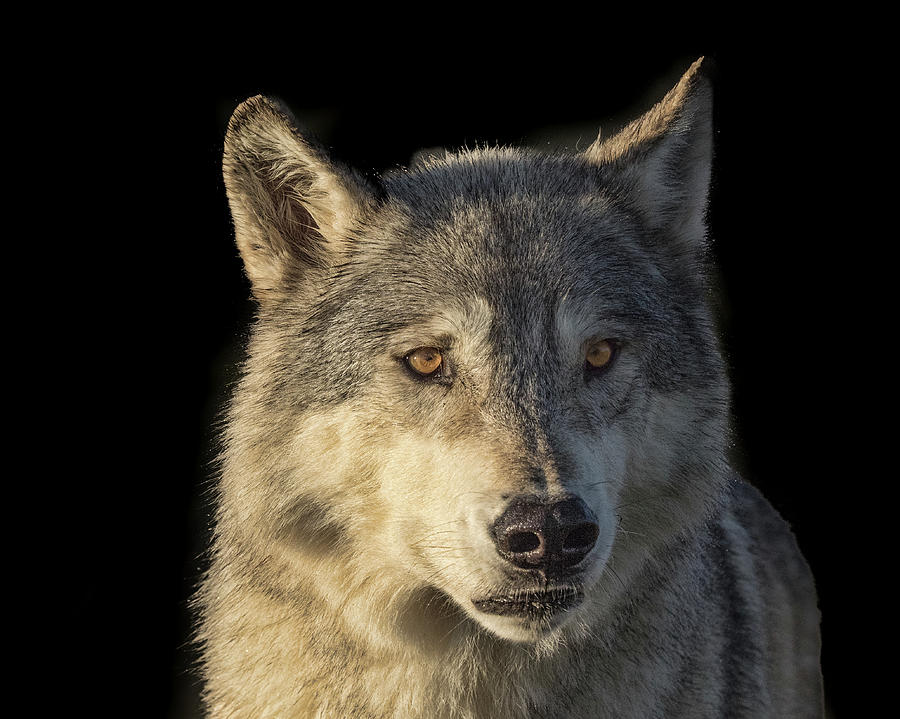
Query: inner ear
{"points": [[284, 227]]}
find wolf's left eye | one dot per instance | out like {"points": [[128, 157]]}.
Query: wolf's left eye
{"points": [[425, 361], [600, 354]]}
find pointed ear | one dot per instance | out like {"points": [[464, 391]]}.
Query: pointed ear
{"points": [[293, 208], [661, 162]]}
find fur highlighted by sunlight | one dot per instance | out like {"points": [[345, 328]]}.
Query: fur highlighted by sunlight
{"points": [[476, 465]]}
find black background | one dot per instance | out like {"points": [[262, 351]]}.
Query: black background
{"points": [[166, 303]]}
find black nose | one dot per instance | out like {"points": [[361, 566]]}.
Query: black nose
{"points": [[549, 536]]}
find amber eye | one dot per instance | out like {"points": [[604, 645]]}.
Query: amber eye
{"points": [[600, 354], [425, 360]]}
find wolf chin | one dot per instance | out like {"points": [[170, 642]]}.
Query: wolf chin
{"points": [[476, 464]]}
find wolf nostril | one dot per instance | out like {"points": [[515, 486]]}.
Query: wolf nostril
{"points": [[584, 535], [523, 542]]}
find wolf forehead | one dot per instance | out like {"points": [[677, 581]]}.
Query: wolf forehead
{"points": [[533, 237], [509, 260]]}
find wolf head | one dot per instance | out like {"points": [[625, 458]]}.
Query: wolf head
{"points": [[492, 380]]}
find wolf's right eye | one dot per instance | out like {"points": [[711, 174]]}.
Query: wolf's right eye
{"points": [[425, 361]]}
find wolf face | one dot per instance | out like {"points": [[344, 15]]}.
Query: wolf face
{"points": [[487, 386]]}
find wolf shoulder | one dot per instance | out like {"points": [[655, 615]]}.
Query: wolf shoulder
{"points": [[773, 601]]}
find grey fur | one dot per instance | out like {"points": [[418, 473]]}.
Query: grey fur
{"points": [[355, 498]]}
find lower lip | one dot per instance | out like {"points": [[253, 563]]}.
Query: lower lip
{"points": [[530, 605]]}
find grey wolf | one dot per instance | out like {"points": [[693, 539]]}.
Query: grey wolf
{"points": [[477, 463]]}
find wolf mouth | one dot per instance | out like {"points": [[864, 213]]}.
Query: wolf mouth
{"points": [[531, 604]]}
